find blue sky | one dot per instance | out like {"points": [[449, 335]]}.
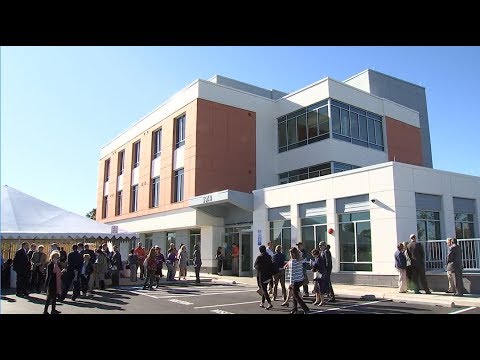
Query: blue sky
{"points": [[60, 105]]}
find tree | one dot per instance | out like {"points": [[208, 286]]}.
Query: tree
{"points": [[92, 214]]}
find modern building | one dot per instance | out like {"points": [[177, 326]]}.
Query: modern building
{"points": [[225, 162]]}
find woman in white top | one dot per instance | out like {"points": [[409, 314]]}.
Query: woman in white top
{"points": [[296, 280]]}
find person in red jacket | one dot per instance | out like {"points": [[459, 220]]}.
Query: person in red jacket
{"points": [[140, 252]]}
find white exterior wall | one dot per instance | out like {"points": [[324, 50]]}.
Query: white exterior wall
{"points": [[360, 80], [392, 216], [327, 150]]}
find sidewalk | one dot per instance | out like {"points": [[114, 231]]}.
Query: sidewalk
{"points": [[378, 292]]}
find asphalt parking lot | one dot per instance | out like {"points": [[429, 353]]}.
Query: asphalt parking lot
{"points": [[209, 297]]}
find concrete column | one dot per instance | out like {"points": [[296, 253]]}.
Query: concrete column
{"points": [[296, 227], [211, 239], [332, 239], [447, 218], [261, 226]]}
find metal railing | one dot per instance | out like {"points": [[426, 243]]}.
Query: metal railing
{"points": [[436, 254]]}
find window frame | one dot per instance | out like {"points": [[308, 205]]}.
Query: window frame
{"points": [[136, 154], [180, 130]]}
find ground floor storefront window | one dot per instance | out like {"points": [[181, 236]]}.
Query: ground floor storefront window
{"points": [[355, 241]]}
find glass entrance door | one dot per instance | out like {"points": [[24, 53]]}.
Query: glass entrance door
{"points": [[246, 264]]}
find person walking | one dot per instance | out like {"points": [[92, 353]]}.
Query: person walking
{"points": [[279, 261], [264, 266], [325, 251], [197, 262], [21, 265], [53, 282], [219, 257], [132, 262], [296, 280], [150, 265], [417, 256], [455, 266], [401, 266]]}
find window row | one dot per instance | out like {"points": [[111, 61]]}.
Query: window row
{"points": [[178, 187], [358, 126], [156, 148], [312, 123], [354, 237], [304, 126], [314, 171]]}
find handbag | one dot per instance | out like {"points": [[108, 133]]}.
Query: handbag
{"points": [[317, 275]]}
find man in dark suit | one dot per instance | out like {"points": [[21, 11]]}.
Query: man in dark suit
{"points": [[455, 266], [417, 256], [329, 265], [74, 266], [21, 265]]}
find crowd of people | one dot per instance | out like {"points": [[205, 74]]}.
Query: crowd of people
{"points": [[273, 268], [410, 264], [84, 270]]}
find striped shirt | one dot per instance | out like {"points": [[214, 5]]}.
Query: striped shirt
{"points": [[296, 271]]}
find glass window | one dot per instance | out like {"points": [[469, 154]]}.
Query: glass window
{"points": [[105, 207], [292, 131], [314, 230], [180, 131], [134, 206], [323, 123], [119, 203], [362, 128], [355, 241], [107, 170], [428, 225], [155, 200], [335, 120], [157, 143], [136, 154], [301, 127], [280, 234], [371, 131], [179, 184], [354, 125], [312, 124], [379, 133], [464, 226], [121, 162], [345, 123], [282, 134]]}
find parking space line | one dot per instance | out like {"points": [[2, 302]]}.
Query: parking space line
{"points": [[462, 310], [210, 306], [190, 295], [218, 311], [182, 302], [346, 307]]}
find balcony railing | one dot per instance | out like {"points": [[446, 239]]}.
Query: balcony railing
{"points": [[436, 254]]}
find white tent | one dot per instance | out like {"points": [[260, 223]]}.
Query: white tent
{"points": [[26, 217]]}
